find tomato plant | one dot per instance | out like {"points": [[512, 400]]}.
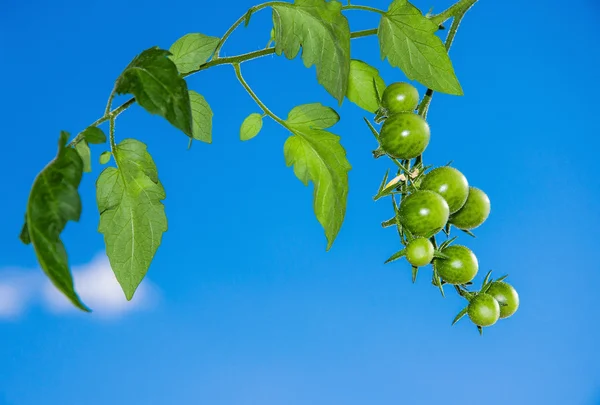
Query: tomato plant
{"points": [[130, 195]]}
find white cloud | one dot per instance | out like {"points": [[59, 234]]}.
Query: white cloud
{"points": [[95, 283]]}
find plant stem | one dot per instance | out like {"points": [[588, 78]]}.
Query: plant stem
{"points": [[238, 74], [111, 137], [216, 61], [238, 22], [458, 9], [364, 8]]}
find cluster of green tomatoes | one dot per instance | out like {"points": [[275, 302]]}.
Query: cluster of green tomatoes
{"points": [[433, 201]]}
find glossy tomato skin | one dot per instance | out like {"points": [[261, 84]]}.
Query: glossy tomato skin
{"points": [[419, 252], [450, 184], [460, 267], [483, 310], [424, 213], [475, 211], [504, 293], [400, 97], [404, 135]]}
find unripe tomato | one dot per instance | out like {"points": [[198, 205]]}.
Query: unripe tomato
{"points": [[505, 293], [424, 213], [483, 310], [460, 267], [450, 184], [474, 212], [400, 97], [419, 252], [404, 135]]}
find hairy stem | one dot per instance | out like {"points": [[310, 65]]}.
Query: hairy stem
{"points": [[458, 9], [238, 74]]}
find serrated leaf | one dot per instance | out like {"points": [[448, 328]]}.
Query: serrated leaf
{"points": [[94, 135], [364, 85], [319, 27], [202, 116], [460, 315], [192, 50], [408, 40], [318, 156], [132, 216], [157, 86], [105, 157], [85, 154], [314, 115], [53, 201], [251, 126], [396, 256]]}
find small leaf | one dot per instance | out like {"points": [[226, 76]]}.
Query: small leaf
{"points": [[372, 128], [157, 86], [408, 40], [85, 154], [94, 135], [460, 315], [440, 255], [314, 115], [248, 16], [105, 157], [202, 117], [447, 243], [469, 233], [192, 50], [383, 182], [480, 330], [364, 85], [396, 256], [24, 236], [53, 201], [251, 126], [317, 156], [323, 33], [502, 278], [132, 216], [486, 279], [415, 271]]}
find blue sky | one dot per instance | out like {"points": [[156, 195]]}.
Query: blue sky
{"points": [[243, 305]]}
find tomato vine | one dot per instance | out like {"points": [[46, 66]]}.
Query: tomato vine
{"points": [[129, 194]]}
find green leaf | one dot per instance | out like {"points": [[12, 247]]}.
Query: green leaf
{"points": [[85, 154], [94, 135], [132, 216], [364, 85], [415, 272], [317, 156], [460, 315], [105, 157], [157, 86], [24, 236], [313, 115], [408, 40], [396, 256], [192, 50], [440, 255], [201, 117], [53, 201], [319, 27], [248, 16], [251, 126]]}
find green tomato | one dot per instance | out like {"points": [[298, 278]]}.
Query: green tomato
{"points": [[483, 310], [506, 296], [450, 184], [460, 267], [424, 213], [404, 135], [419, 252], [474, 212], [400, 97]]}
